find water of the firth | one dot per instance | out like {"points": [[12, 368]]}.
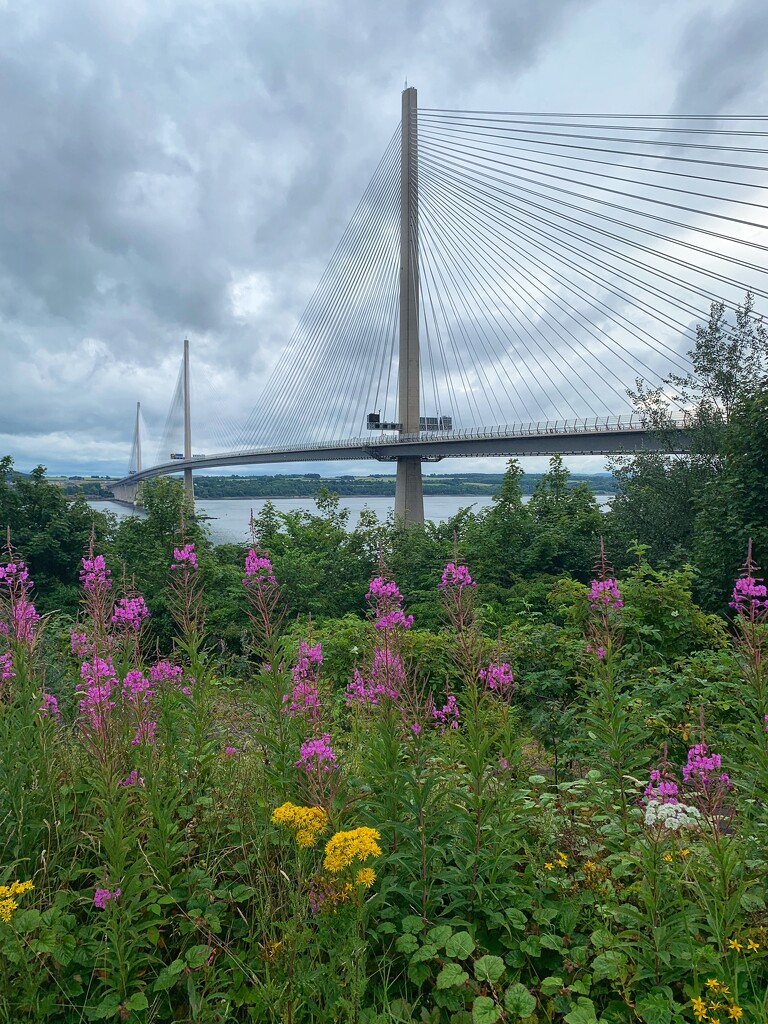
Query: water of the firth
{"points": [[229, 517]]}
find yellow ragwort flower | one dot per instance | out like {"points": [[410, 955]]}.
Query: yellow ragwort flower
{"points": [[667, 856], [343, 848], [548, 866], [735, 944], [699, 1008], [713, 983], [366, 877], [306, 823], [685, 852], [752, 945], [7, 902], [735, 1012]]}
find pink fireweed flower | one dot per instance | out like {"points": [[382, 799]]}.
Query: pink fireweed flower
{"points": [[6, 667], [132, 779], [498, 678], [456, 576], [82, 647], [97, 687], [605, 593], [304, 699], [102, 896], [415, 728], [136, 688], [661, 789], [144, 734], [317, 755], [15, 574], [130, 612], [258, 570], [50, 706], [387, 602], [447, 717], [24, 618], [230, 751], [95, 575], [749, 596], [164, 671], [703, 767], [185, 557], [601, 652], [385, 681]]}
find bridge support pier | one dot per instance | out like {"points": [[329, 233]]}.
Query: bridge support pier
{"points": [[409, 491]]}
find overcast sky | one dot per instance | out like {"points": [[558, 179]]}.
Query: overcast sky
{"points": [[175, 169]]}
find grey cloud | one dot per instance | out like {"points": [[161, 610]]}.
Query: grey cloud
{"points": [[151, 155], [723, 58]]}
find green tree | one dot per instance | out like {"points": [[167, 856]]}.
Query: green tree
{"points": [[50, 530], [660, 493], [566, 524], [732, 509]]}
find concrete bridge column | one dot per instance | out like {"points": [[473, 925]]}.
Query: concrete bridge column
{"points": [[409, 492]]}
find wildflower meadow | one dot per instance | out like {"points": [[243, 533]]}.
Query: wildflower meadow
{"points": [[560, 819]]}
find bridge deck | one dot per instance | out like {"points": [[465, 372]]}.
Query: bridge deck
{"points": [[602, 437]]}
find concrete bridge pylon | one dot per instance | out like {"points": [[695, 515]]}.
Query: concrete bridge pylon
{"points": [[409, 490]]}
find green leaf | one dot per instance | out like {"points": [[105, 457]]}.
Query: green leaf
{"points": [[418, 973], [451, 976], [518, 1000], [425, 952], [411, 923], [582, 1013], [551, 985], [167, 977], [489, 968], [609, 965], [27, 920], [440, 934], [407, 943], [460, 946], [138, 1001], [485, 1011], [551, 942], [515, 917], [531, 945], [654, 1008], [108, 1007], [751, 902], [197, 956]]}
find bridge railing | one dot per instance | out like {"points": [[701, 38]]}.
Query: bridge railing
{"points": [[588, 425]]}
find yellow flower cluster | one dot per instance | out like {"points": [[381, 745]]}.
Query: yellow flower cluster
{"points": [[738, 947], [366, 877], [343, 848], [685, 852], [715, 1004], [561, 861], [306, 823], [7, 893]]}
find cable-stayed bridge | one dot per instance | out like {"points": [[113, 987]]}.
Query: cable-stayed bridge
{"points": [[505, 278]]}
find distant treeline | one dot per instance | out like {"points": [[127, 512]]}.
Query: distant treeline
{"points": [[308, 485]]}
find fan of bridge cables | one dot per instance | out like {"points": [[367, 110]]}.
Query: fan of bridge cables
{"points": [[561, 256]]}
